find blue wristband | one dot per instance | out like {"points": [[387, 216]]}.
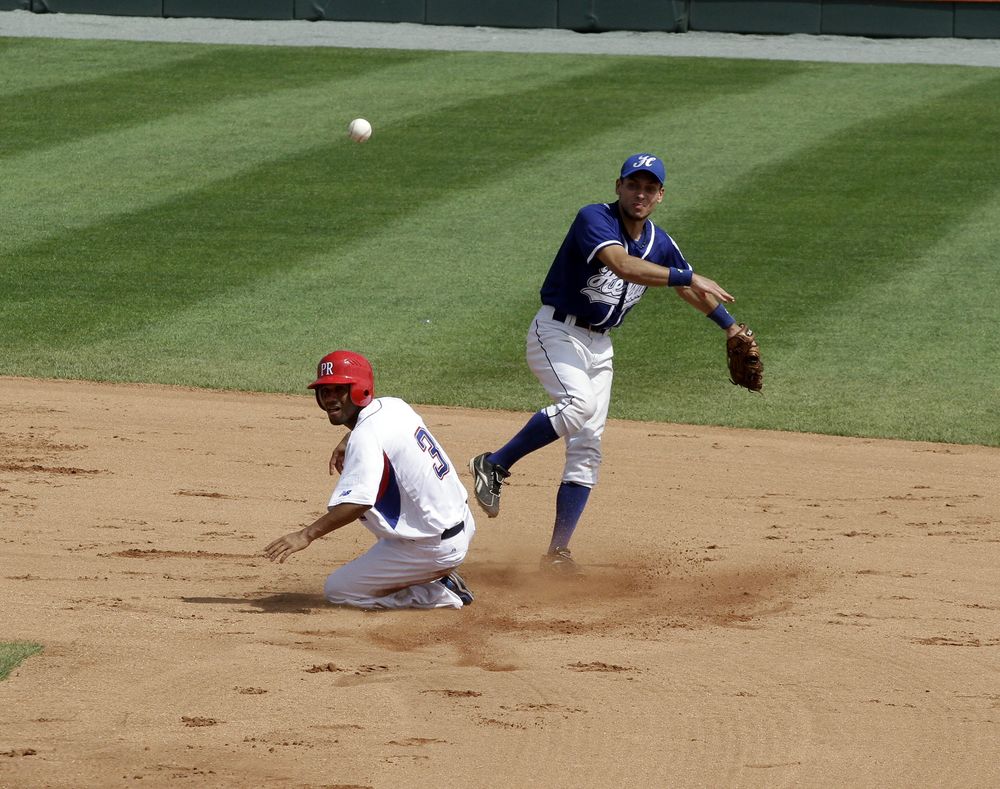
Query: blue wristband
{"points": [[722, 317], [679, 278]]}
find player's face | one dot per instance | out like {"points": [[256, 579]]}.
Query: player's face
{"points": [[335, 399], [638, 194]]}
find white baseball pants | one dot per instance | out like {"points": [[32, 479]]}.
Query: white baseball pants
{"points": [[575, 367], [397, 573]]}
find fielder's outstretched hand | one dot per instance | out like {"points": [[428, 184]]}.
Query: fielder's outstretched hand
{"points": [[283, 547], [711, 287]]}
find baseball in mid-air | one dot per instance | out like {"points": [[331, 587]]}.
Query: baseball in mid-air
{"points": [[359, 130]]}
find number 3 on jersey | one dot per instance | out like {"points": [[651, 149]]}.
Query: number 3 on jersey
{"points": [[426, 442]]}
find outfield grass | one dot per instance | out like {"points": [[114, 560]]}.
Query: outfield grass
{"points": [[195, 214], [13, 653]]}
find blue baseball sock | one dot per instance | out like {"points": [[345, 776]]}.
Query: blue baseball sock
{"points": [[535, 434], [570, 501]]}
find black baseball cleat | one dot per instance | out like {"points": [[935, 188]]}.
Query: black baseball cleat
{"points": [[488, 478], [455, 583], [559, 562]]}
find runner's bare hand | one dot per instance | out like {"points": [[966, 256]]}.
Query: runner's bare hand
{"points": [[283, 547], [337, 458]]}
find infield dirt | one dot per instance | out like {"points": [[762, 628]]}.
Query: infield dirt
{"points": [[759, 609]]}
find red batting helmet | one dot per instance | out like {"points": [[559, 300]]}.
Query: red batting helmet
{"points": [[347, 367]]}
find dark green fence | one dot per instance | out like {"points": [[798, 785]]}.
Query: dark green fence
{"points": [[888, 18]]}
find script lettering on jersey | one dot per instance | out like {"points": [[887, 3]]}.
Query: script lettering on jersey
{"points": [[606, 287], [426, 443]]}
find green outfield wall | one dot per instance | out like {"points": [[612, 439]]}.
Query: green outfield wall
{"points": [[879, 18]]}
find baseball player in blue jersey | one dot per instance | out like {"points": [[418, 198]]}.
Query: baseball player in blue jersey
{"points": [[397, 480], [610, 255]]}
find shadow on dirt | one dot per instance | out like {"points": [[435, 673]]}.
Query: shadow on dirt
{"points": [[290, 603]]}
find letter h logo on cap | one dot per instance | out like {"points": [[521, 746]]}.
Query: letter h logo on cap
{"points": [[644, 162]]}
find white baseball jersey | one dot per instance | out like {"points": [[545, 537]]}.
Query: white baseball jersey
{"points": [[396, 466]]}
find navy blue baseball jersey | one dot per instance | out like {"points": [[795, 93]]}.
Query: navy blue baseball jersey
{"points": [[579, 284]]}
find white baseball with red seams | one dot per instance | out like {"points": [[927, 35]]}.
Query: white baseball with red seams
{"points": [[359, 130]]}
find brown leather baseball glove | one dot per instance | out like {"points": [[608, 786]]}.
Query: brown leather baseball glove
{"points": [[745, 366]]}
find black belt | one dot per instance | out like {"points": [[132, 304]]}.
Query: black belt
{"points": [[447, 534], [562, 317]]}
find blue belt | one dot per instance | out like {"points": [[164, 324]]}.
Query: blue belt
{"points": [[447, 534], [562, 317]]}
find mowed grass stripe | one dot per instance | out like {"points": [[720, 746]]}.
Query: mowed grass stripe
{"points": [[43, 117], [710, 146], [28, 64], [863, 204], [858, 215], [151, 264], [73, 185], [935, 372]]}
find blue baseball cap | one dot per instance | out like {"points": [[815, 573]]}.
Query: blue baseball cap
{"points": [[644, 162]]}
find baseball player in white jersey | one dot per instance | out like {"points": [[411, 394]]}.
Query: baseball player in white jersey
{"points": [[610, 255], [397, 480]]}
